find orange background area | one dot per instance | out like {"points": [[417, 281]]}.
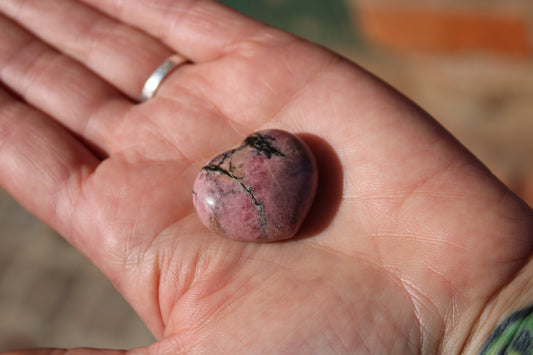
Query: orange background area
{"points": [[445, 29]]}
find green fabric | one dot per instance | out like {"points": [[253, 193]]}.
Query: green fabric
{"points": [[512, 337], [327, 22]]}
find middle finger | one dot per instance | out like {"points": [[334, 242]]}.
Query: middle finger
{"points": [[120, 54]]}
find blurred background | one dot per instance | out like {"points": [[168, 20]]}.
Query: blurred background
{"points": [[469, 63]]}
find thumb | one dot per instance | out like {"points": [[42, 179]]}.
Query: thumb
{"points": [[56, 351]]}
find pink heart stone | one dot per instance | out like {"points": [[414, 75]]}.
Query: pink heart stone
{"points": [[260, 191]]}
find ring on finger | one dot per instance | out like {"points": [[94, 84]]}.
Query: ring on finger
{"points": [[156, 78]]}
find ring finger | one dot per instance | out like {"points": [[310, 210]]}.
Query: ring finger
{"points": [[118, 53]]}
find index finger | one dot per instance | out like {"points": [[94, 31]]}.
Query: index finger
{"points": [[201, 30]]}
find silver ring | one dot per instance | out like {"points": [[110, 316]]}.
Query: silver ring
{"points": [[154, 81]]}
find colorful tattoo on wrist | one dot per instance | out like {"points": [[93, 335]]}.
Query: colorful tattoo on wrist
{"points": [[514, 336]]}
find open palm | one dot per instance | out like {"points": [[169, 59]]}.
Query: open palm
{"points": [[410, 240]]}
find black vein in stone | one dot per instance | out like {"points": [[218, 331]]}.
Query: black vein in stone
{"points": [[226, 155], [262, 144], [258, 204]]}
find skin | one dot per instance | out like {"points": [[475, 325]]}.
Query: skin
{"points": [[413, 246]]}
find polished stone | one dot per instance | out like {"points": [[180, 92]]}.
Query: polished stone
{"points": [[260, 191]]}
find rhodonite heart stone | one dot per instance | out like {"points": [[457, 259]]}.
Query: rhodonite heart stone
{"points": [[260, 191]]}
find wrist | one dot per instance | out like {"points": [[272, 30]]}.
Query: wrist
{"points": [[504, 316]]}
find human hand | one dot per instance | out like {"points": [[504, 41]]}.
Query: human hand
{"points": [[411, 245]]}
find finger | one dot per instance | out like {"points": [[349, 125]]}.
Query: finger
{"points": [[202, 30], [41, 164], [120, 54], [59, 86], [205, 30]]}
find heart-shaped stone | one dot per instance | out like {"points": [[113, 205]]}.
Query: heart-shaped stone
{"points": [[260, 191]]}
